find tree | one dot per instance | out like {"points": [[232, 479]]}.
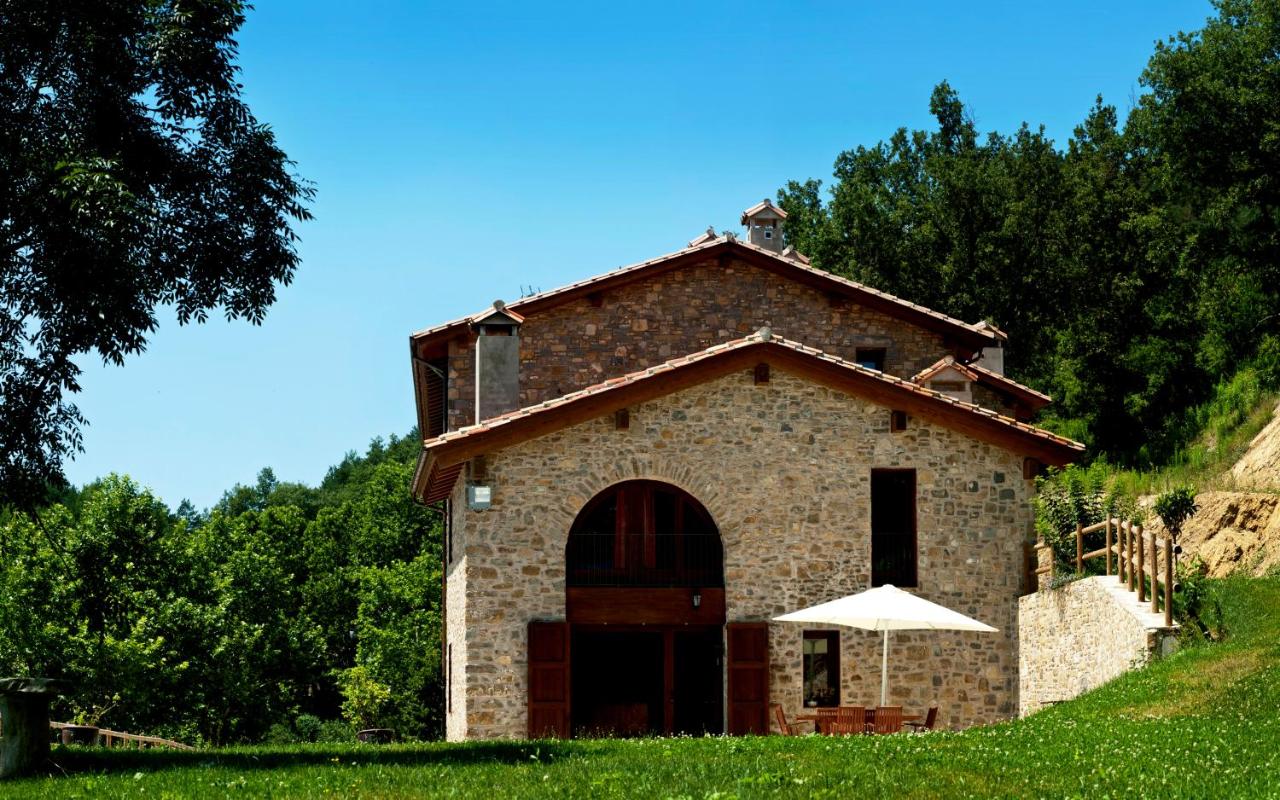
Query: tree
{"points": [[132, 175]]}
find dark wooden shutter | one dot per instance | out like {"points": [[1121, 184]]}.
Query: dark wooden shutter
{"points": [[548, 679], [748, 660]]}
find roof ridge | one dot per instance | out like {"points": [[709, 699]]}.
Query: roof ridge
{"points": [[764, 336], [718, 241]]}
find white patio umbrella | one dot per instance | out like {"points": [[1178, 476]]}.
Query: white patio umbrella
{"points": [[886, 608]]}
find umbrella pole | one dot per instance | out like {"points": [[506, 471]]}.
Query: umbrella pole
{"points": [[884, 670]]}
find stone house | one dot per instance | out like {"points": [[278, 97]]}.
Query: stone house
{"points": [[637, 471]]}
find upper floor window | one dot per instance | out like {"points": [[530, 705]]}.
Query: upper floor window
{"points": [[870, 357], [893, 527], [644, 533]]}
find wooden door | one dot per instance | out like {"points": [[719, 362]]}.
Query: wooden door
{"points": [[748, 664], [548, 679]]}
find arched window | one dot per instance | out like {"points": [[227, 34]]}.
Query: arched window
{"points": [[644, 533]]}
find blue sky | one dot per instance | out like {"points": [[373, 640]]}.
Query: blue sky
{"points": [[466, 150]]}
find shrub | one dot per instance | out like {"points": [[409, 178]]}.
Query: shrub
{"points": [[280, 733], [364, 698], [1175, 507], [1075, 496], [335, 731], [1195, 604], [307, 727]]}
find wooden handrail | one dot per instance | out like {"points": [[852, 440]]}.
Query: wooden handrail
{"points": [[110, 738], [1135, 563]]}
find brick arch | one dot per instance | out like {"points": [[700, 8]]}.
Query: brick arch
{"points": [[571, 503]]}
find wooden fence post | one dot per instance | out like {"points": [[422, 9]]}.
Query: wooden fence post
{"points": [[1128, 554], [1120, 551], [1107, 528], [1155, 575], [1142, 578], [1168, 581], [1079, 548]]}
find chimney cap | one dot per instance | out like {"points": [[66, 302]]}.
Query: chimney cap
{"points": [[765, 209], [498, 315]]}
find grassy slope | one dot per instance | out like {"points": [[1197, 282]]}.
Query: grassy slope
{"points": [[1202, 723]]}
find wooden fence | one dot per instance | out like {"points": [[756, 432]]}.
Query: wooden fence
{"points": [[108, 738], [1142, 561]]}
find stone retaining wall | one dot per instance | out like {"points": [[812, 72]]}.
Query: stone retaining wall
{"points": [[1079, 636]]}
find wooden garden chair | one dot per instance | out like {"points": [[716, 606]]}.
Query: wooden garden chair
{"points": [[784, 727], [930, 719], [849, 721], [826, 716], [888, 719]]}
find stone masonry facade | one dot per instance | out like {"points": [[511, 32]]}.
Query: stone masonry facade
{"points": [[683, 311], [784, 469], [1079, 636]]}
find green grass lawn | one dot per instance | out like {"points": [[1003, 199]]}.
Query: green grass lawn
{"points": [[1202, 723]]}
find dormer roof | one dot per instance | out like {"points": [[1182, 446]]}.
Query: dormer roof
{"points": [[978, 374]]}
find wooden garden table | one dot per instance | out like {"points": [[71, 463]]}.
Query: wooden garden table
{"points": [[871, 716]]}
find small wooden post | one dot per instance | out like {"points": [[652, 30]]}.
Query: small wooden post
{"points": [[1142, 578], [1128, 566], [1155, 575], [1079, 548], [1120, 560], [1106, 526], [1168, 581]]}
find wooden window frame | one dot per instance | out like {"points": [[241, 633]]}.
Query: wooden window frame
{"points": [[914, 549], [832, 639]]}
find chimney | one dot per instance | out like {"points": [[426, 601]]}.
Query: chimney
{"points": [[993, 357], [497, 361], [764, 225]]}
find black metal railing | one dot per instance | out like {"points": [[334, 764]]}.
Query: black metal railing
{"points": [[659, 559]]}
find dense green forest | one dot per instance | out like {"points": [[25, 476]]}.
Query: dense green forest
{"points": [[257, 619], [1134, 267]]}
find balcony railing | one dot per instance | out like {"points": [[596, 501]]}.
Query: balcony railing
{"points": [[659, 559]]}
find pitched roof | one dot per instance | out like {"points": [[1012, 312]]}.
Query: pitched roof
{"points": [[974, 372], [703, 238], [971, 335], [764, 205], [438, 465]]}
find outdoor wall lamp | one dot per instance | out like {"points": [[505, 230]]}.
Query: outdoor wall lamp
{"points": [[697, 598], [478, 497]]}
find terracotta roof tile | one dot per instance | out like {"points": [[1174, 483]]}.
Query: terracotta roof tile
{"points": [[981, 374], [754, 339], [980, 329]]}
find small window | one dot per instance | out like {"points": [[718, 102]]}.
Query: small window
{"points": [[870, 357], [768, 234], [893, 527], [897, 421], [822, 668]]}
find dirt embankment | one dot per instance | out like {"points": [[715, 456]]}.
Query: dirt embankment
{"points": [[1232, 531], [1239, 530]]}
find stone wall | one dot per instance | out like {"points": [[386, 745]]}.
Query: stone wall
{"points": [[1079, 636], [679, 312], [784, 469]]}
